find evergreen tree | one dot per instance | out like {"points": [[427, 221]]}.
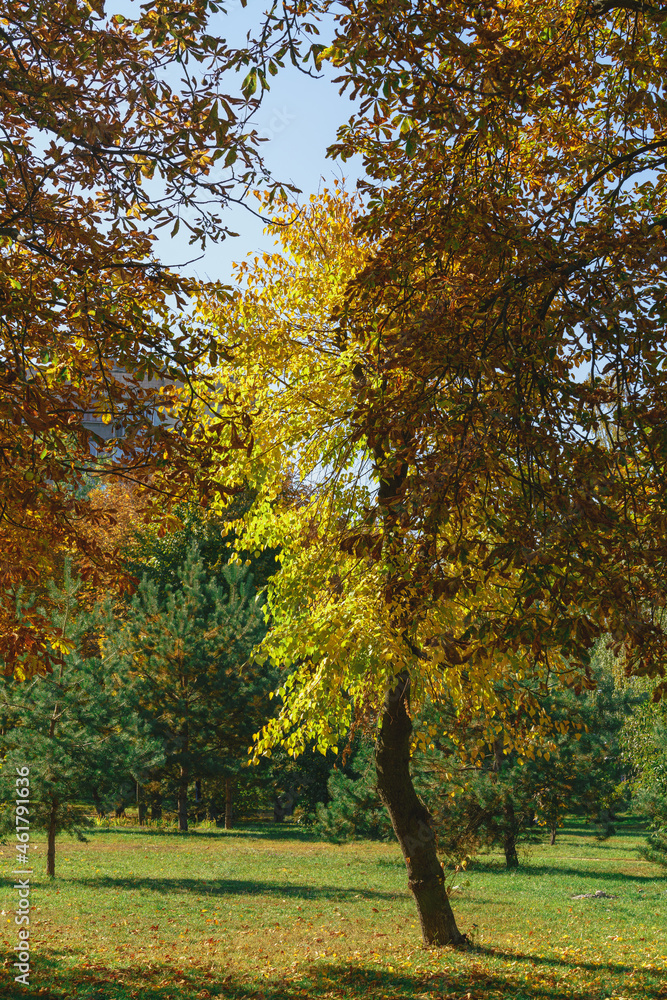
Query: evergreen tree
{"points": [[159, 554], [484, 795], [354, 809], [645, 749], [186, 648], [304, 781], [67, 727], [290, 787]]}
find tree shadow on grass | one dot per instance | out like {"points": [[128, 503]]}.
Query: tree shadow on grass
{"points": [[397, 863], [610, 844], [321, 981], [259, 831], [550, 961], [235, 887], [624, 828], [555, 870]]}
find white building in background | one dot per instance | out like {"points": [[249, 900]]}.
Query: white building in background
{"points": [[104, 426]]}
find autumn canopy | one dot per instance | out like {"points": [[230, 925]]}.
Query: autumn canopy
{"points": [[445, 397]]}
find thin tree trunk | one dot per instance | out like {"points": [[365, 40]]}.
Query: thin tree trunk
{"points": [[509, 842], [185, 772], [228, 803], [606, 825], [552, 839], [156, 805], [498, 754], [53, 816], [411, 819], [98, 804], [183, 800], [51, 840], [141, 807], [509, 835]]}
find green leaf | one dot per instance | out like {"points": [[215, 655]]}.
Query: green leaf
{"points": [[249, 85]]}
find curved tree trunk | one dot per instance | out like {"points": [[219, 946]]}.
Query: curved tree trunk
{"points": [[411, 819]]}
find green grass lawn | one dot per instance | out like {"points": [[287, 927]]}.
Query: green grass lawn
{"points": [[266, 912]]}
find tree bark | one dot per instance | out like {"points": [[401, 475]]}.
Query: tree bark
{"points": [[156, 806], [411, 819], [509, 840], [552, 839], [98, 804], [606, 825], [51, 840], [498, 754], [183, 800], [185, 772], [141, 806], [228, 803], [509, 828], [53, 815]]}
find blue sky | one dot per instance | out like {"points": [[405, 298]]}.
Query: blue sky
{"points": [[299, 117]]}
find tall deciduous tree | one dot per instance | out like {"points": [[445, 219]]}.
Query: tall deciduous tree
{"points": [[359, 644], [112, 127], [503, 351], [510, 322]]}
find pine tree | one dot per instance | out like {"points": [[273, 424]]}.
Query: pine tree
{"points": [[355, 809], [644, 742], [488, 795], [483, 795], [193, 686], [67, 727]]}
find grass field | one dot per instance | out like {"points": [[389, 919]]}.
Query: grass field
{"points": [[266, 912]]}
